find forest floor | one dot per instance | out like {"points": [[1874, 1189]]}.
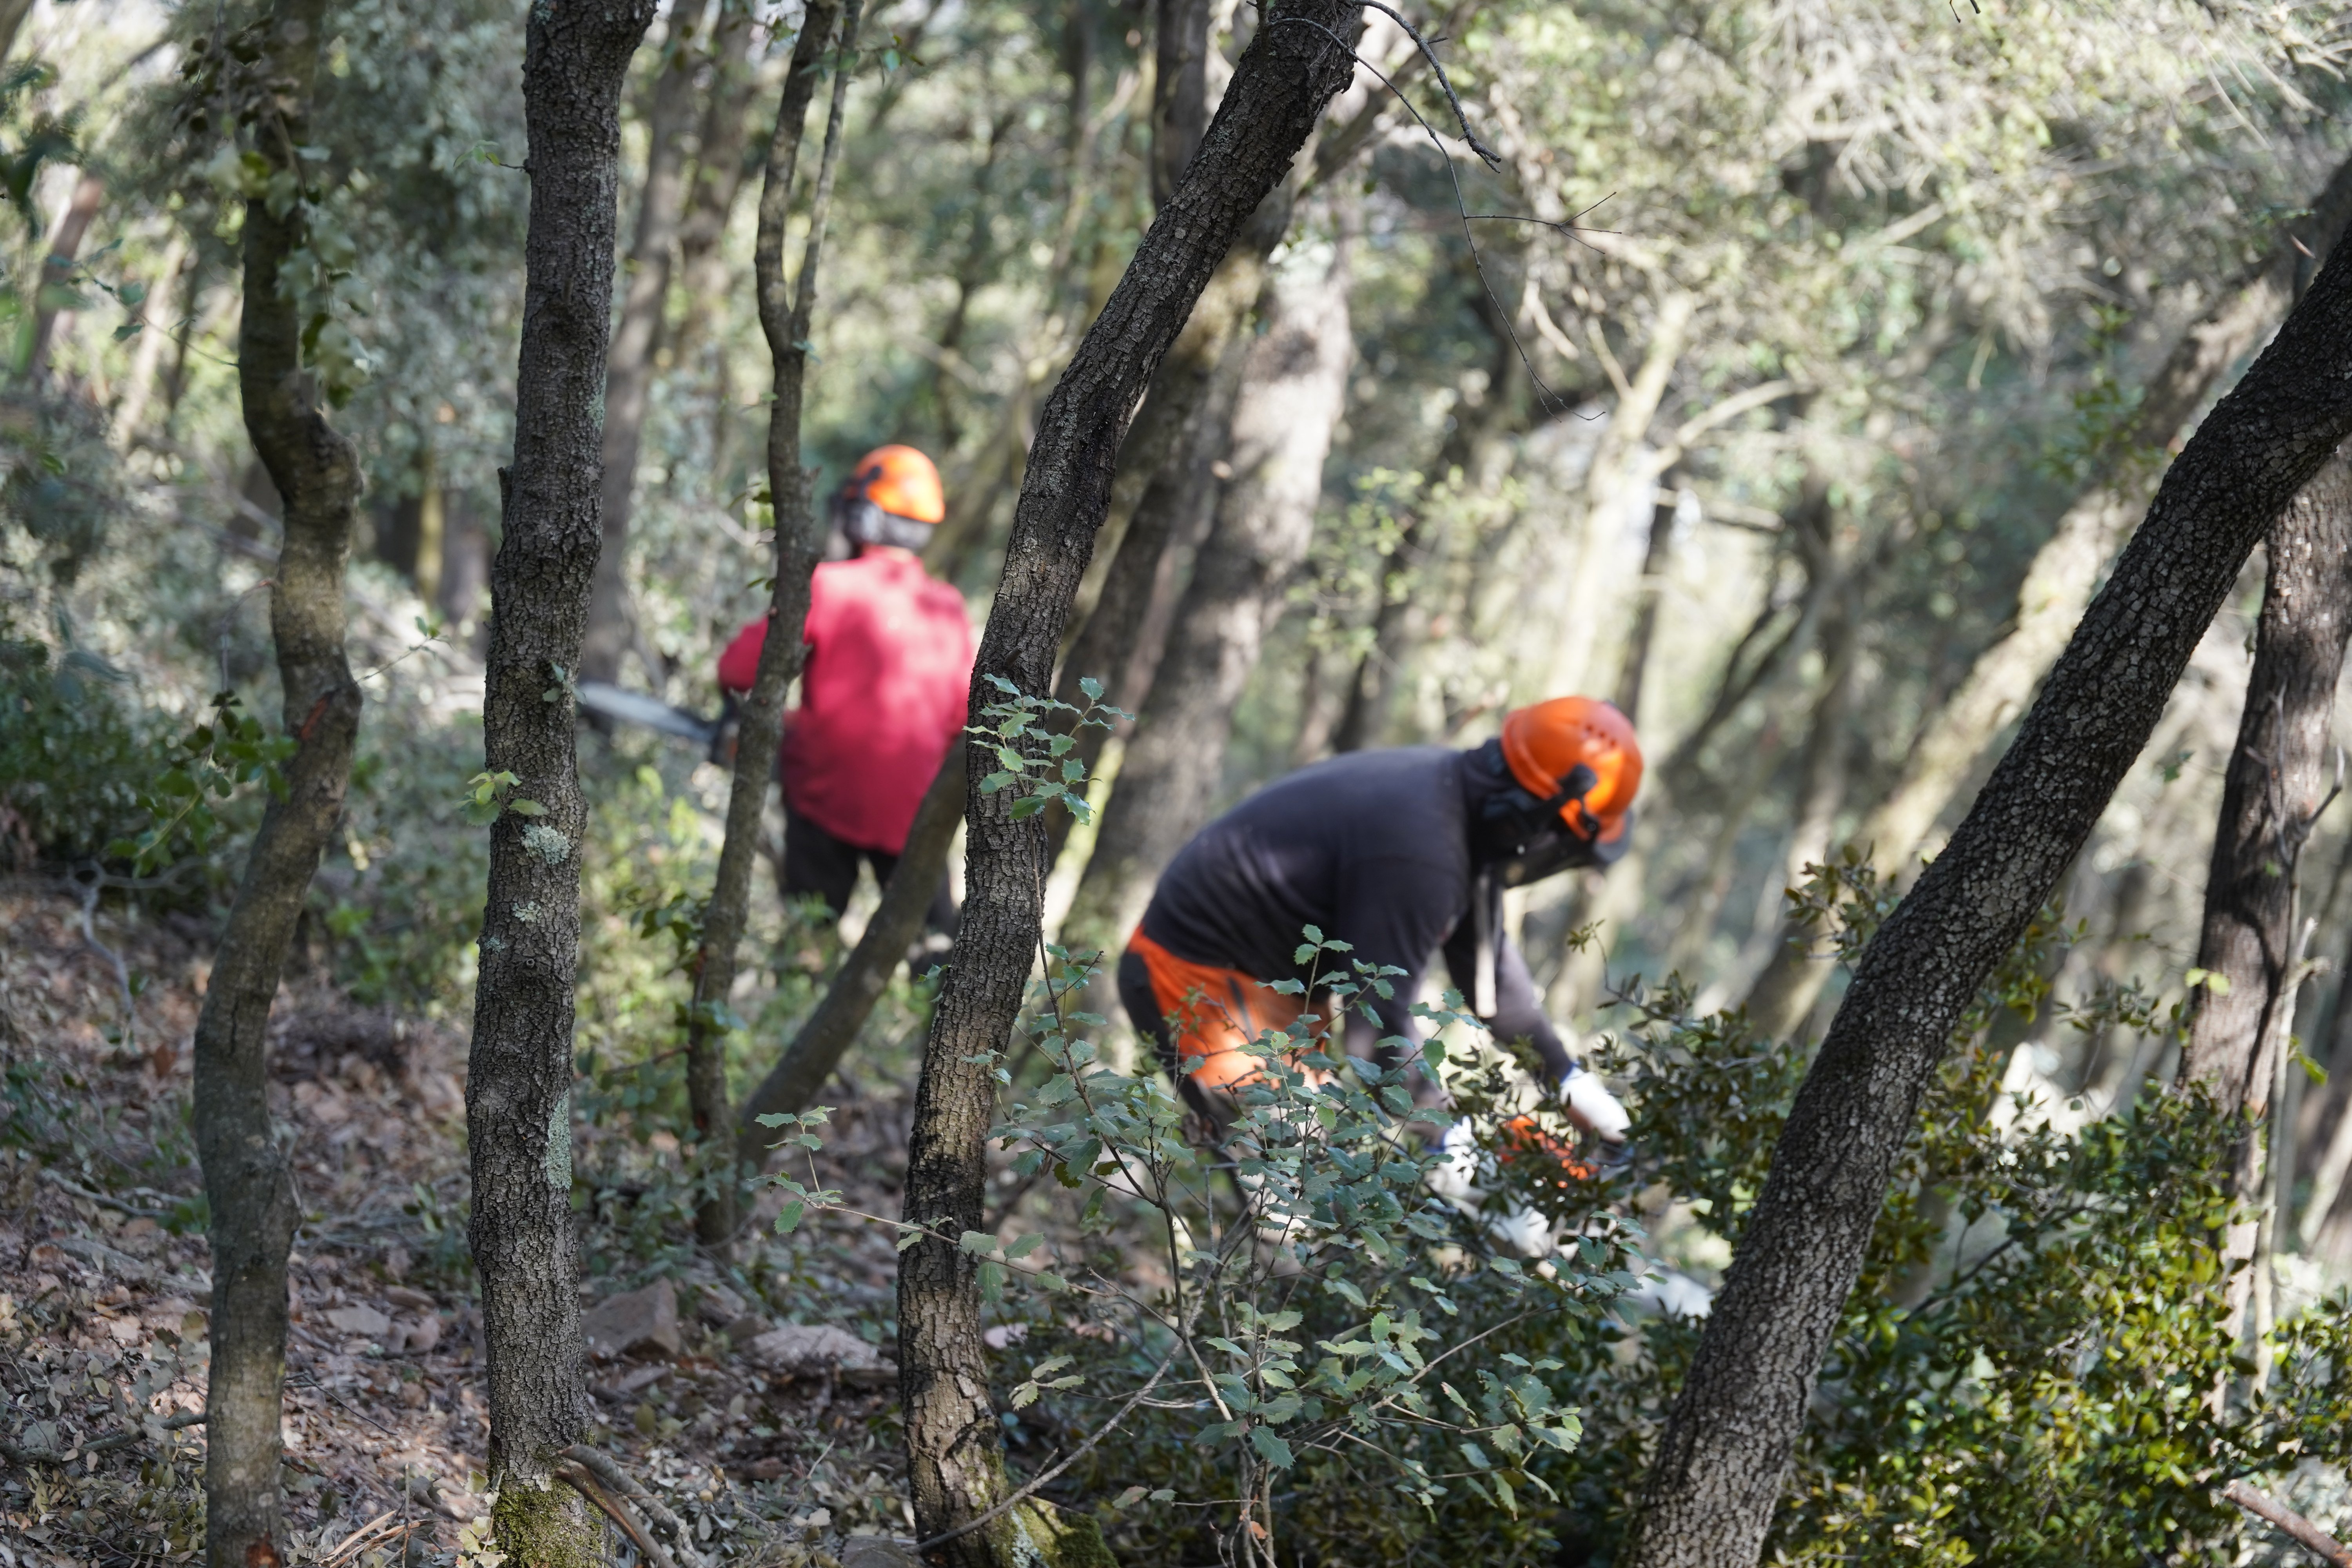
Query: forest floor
{"points": [[103, 1287]]}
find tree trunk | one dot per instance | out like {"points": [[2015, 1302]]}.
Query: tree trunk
{"points": [[247, 1183], [1291, 69], [792, 1085], [130, 412], [12, 19], [2275, 778], [1724, 1449], [518, 1088], [1468, 449], [1180, 90], [1168, 451], [1617, 471], [799, 542], [2059, 582], [1293, 386], [629, 368], [57, 269], [718, 172], [1633, 668]]}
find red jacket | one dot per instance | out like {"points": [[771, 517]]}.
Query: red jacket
{"points": [[882, 694]]}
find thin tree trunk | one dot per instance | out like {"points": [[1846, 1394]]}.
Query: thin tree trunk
{"points": [[2276, 777], [247, 1181], [12, 19], [629, 367], [2268, 797], [1726, 1445], [970, 274], [799, 542], [792, 1085], [1615, 472], [1293, 387], [2059, 582], [1634, 669], [718, 174], [1179, 431], [1159, 461], [1372, 688], [1180, 90], [57, 269], [156, 313], [518, 1087], [1289, 72]]}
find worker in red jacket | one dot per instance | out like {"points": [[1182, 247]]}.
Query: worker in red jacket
{"points": [[1401, 854], [883, 690]]}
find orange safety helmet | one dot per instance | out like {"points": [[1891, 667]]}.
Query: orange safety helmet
{"points": [[1546, 743], [901, 481]]}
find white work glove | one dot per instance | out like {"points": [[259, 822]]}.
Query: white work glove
{"points": [[1592, 1107]]}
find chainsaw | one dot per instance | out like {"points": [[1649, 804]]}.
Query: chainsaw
{"points": [[622, 706]]}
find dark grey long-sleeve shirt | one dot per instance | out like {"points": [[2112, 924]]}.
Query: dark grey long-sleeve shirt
{"points": [[1372, 848]]}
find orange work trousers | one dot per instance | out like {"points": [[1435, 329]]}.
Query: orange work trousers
{"points": [[1216, 1015]]}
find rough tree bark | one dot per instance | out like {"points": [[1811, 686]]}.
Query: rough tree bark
{"points": [[2276, 777], [799, 541], [317, 471], [792, 1085], [1724, 1449], [1293, 386], [518, 1088], [629, 364], [2059, 582], [1291, 69]]}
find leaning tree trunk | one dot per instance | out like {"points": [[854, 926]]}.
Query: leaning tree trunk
{"points": [[2275, 780], [2057, 587], [1721, 1457], [1291, 69], [251, 1192], [518, 1087], [629, 367], [1293, 385], [799, 541], [792, 1085]]}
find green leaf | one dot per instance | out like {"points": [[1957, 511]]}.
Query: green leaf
{"points": [[977, 1242], [1271, 1448], [526, 807], [788, 1218]]}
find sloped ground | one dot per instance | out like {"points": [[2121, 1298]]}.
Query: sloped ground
{"points": [[103, 1286]]}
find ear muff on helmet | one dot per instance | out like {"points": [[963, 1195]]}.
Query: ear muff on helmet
{"points": [[1515, 824], [1580, 754], [863, 523]]}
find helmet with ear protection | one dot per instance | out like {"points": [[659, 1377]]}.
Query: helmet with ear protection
{"points": [[1574, 759], [892, 497]]}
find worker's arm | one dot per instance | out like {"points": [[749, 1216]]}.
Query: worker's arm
{"points": [[1519, 1014], [740, 663]]}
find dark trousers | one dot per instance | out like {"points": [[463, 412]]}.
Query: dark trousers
{"points": [[816, 862]]}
